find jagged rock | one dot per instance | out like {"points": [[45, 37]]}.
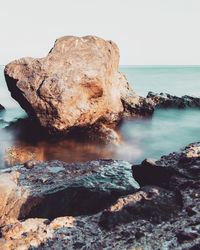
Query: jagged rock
{"points": [[53, 189], [164, 100], [136, 105], [77, 85], [150, 203], [149, 218], [183, 164]]}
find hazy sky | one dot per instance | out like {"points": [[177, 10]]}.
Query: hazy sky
{"points": [[146, 31]]}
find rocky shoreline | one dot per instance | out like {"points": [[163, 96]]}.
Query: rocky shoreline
{"points": [[77, 92], [154, 206]]}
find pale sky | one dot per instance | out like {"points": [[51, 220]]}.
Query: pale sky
{"points": [[148, 32]]}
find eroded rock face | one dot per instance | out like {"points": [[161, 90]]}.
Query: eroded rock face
{"points": [[150, 203], [183, 164], [53, 189], [77, 85], [164, 100]]}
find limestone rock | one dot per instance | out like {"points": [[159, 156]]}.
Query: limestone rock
{"points": [[77, 85]]}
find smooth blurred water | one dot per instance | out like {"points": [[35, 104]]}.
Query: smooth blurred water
{"points": [[168, 130], [176, 80]]}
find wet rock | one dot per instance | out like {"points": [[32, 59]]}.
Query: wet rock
{"points": [[150, 203], [77, 85], [164, 100], [53, 189]]}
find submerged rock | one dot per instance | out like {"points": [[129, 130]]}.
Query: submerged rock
{"points": [[77, 85], [53, 189], [164, 100]]}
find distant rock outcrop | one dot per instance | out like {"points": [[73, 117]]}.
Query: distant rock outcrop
{"points": [[164, 100], [77, 85]]}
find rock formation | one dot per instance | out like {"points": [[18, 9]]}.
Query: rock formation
{"points": [[160, 215], [77, 85], [53, 189], [164, 100]]}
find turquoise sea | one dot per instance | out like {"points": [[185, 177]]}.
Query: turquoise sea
{"points": [[168, 130]]}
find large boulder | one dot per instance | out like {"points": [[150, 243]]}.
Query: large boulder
{"points": [[53, 189], [77, 85]]}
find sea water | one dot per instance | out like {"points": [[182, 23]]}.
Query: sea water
{"points": [[168, 130]]}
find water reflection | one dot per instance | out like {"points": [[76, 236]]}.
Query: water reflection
{"points": [[167, 131]]}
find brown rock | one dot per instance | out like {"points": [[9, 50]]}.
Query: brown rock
{"points": [[22, 154], [77, 85], [12, 197]]}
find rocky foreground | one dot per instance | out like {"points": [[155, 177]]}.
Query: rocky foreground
{"points": [[77, 90], [103, 204]]}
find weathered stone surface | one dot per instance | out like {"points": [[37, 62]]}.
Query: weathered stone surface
{"points": [[136, 105], [150, 218], [77, 85], [52, 189], [183, 164], [150, 203], [164, 100]]}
